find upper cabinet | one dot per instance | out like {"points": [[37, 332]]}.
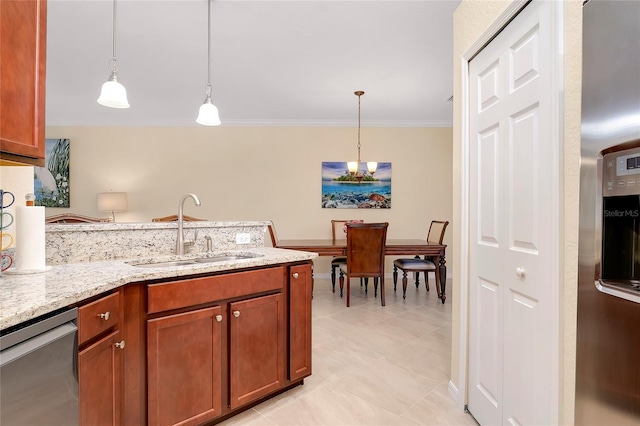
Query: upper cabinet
{"points": [[23, 40]]}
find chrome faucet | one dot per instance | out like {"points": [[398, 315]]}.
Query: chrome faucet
{"points": [[180, 243]]}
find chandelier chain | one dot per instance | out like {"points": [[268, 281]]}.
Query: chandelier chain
{"points": [[359, 95]]}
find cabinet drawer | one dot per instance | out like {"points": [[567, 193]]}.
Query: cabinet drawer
{"points": [[181, 294], [98, 316]]}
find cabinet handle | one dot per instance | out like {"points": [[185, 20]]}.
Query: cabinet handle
{"points": [[219, 318], [120, 344], [105, 316], [520, 272], [295, 275], [236, 314]]}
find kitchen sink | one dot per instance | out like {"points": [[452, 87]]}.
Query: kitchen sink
{"points": [[165, 264], [223, 258], [212, 259]]}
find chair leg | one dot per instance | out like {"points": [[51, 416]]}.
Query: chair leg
{"points": [[395, 277], [417, 275], [426, 279], [382, 290], [404, 284], [366, 284], [438, 283], [333, 279], [375, 287], [341, 282], [348, 291]]}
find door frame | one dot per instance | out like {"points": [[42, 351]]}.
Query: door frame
{"points": [[459, 393]]}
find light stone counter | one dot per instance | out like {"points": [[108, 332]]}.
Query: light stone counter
{"points": [[23, 297], [90, 259]]}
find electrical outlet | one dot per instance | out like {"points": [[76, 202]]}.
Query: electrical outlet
{"points": [[243, 238]]}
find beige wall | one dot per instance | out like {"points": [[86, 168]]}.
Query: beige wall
{"points": [[258, 173], [471, 19]]}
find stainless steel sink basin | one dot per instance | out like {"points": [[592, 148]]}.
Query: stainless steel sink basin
{"points": [[166, 264], [223, 258], [212, 259]]}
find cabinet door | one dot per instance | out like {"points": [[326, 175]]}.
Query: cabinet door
{"points": [[22, 77], [184, 367], [257, 340], [300, 286], [100, 381]]}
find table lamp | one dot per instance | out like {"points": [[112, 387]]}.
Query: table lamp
{"points": [[113, 202]]}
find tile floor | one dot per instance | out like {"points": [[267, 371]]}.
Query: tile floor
{"points": [[372, 365]]}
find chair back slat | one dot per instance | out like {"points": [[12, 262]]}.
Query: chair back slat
{"points": [[366, 249], [338, 228], [272, 234], [436, 231]]}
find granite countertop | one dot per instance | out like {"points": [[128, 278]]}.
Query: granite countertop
{"points": [[23, 297]]}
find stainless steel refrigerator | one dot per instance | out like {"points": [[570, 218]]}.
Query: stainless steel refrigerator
{"points": [[608, 334]]}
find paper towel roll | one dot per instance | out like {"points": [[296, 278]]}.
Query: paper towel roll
{"points": [[30, 253]]}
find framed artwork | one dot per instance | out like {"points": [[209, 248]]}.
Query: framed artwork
{"points": [[340, 190], [51, 183]]}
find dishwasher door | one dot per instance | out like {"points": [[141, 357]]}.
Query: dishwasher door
{"points": [[38, 370]]}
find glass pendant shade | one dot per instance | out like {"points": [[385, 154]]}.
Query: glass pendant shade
{"points": [[352, 166], [113, 94], [372, 166], [208, 115]]}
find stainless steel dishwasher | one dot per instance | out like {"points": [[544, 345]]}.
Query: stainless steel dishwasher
{"points": [[38, 371]]}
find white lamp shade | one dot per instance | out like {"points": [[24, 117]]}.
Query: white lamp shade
{"points": [[372, 166], [352, 166], [113, 202], [113, 94], [208, 114]]}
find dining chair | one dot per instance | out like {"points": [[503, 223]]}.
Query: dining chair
{"points": [[272, 234], [174, 218], [365, 256], [336, 261], [416, 265], [339, 233], [75, 218]]}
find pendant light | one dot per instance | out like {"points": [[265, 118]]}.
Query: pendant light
{"points": [[208, 114], [354, 166], [113, 94]]}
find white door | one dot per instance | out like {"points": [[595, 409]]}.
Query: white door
{"points": [[513, 179]]}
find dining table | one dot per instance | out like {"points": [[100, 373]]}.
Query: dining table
{"points": [[393, 247]]}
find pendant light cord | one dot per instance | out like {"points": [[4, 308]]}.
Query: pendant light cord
{"points": [[114, 60], [208, 47]]}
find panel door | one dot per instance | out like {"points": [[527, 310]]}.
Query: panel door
{"points": [[184, 367], [513, 176], [300, 289], [256, 354], [23, 40], [100, 375]]}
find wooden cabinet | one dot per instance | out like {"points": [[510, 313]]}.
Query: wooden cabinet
{"points": [[300, 290], [202, 349], [184, 354], [256, 348], [23, 37], [220, 345], [100, 361]]}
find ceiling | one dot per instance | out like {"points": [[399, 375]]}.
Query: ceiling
{"points": [[272, 63]]}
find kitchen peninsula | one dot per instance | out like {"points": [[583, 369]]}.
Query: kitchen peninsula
{"points": [[224, 329]]}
